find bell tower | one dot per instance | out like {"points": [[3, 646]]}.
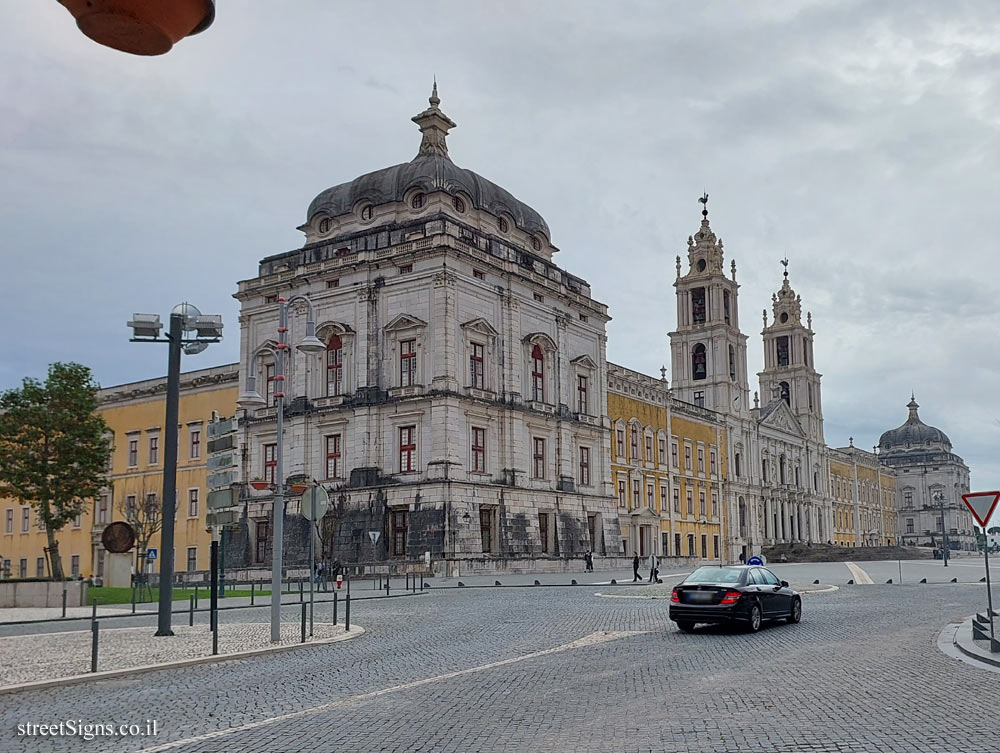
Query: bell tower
{"points": [[789, 371], [708, 351]]}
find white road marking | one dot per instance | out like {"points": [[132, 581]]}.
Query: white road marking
{"points": [[860, 576], [590, 640]]}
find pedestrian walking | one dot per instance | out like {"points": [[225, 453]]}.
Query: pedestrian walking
{"points": [[654, 568], [635, 568], [588, 560]]}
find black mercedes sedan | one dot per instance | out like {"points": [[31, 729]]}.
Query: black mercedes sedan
{"points": [[743, 594]]}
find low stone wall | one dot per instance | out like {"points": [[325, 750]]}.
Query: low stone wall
{"points": [[42, 593], [484, 566]]}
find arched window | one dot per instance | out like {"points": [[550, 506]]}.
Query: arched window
{"points": [[781, 469], [786, 392], [699, 369], [537, 374], [725, 305], [743, 518], [732, 363], [739, 469], [335, 366]]}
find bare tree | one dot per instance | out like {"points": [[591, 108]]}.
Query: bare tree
{"points": [[145, 515]]}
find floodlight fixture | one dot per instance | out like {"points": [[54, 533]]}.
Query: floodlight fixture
{"points": [[208, 326], [146, 325]]}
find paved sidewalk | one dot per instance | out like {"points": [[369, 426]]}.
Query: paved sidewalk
{"points": [[24, 614], [977, 651]]}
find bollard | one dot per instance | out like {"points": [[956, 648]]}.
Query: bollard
{"points": [[252, 584], [334, 607], [215, 635], [191, 611], [93, 647], [421, 582], [195, 595], [347, 613], [386, 585], [133, 599], [93, 614], [303, 638], [64, 602], [300, 590]]}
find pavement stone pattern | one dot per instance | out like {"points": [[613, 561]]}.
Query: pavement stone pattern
{"points": [[860, 674], [17, 614], [67, 654]]}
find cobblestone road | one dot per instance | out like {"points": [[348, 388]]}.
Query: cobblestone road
{"points": [[497, 670]]}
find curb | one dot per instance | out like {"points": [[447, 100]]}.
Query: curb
{"points": [[356, 632]]}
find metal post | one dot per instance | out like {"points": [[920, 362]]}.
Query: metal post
{"points": [[387, 584], [989, 592], [222, 563], [278, 504], [347, 613], [944, 531], [133, 598], [252, 584], [900, 563], [215, 634], [64, 602], [191, 611], [334, 607], [93, 614], [195, 595], [213, 563], [303, 631], [169, 501], [93, 646], [312, 575], [300, 590]]}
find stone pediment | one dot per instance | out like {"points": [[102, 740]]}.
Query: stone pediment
{"points": [[540, 338], [644, 515], [481, 326], [404, 321], [584, 361], [777, 415]]}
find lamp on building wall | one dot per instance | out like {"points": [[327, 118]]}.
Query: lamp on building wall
{"points": [[184, 318], [251, 398]]}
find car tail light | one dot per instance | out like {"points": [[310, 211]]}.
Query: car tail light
{"points": [[731, 597], [674, 597]]}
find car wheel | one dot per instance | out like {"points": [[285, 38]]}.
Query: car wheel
{"points": [[687, 627], [796, 614], [756, 617]]}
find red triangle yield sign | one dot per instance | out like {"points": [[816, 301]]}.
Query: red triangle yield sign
{"points": [[982, 505]]}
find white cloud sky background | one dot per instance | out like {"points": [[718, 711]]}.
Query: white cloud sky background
{"points": [[859, 139]]}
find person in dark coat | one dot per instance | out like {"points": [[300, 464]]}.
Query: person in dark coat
{"points": [[635, 568], [588, 560]]}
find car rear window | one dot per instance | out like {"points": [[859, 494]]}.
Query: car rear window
{"points": [[715, 575]]}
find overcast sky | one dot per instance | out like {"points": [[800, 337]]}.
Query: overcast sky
{"points": [[859, 139]]}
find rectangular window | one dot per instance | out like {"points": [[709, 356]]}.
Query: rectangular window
{"points": [[133, 453], [763, 470], [715, 547], [581, 394], [407, 448], [478, 275], [8, 523], [715, 506], [74, 564], [476, 372], [407, 363], [269, 377], [334, 283], [677, 499], [907, 499], [270, 462], [333, 469], [154, 450], [687, 458], [335, 366], [78, 521], [195, 444], [701, 460], [704, 546], [636, 494], [634, 444], [620, 444], [538, 457], [691, 551], [40, 567], [673, 455], [701, 503], [621, 493], [25, 519], [22, 567], [271, 298], [193, 502], [783, 350], [261, 539], [690, 502], [584, 466], [131, 508], [486, 528], [699, 398], [537, 374], [539, 297], [192, 559], [478, 449], [543, 530], [663, 498], [711, 462], [398, 521], [698, 306], [677, 545], [909, 525], [649, 450], [650, 492], [663, 452], [405, 268]]}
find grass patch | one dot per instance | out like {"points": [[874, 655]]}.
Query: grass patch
{"points": [[108, 595]]}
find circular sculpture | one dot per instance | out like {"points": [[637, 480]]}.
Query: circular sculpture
{"points": [[118, 537]]}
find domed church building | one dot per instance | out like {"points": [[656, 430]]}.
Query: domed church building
{"points": [[459, 404], [931, 480]]}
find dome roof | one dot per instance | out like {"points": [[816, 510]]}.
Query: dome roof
{"points": [[431, 170], [914, 433]]}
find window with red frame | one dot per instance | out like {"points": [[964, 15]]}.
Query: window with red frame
{"points": [[537, 374], [476, 366], [195, 444], [649, 449], [581, 394], [133, 452], [270, 462], [333, 456], [620, 443], [271, 383], [663, 500], [663, 452], [154, 450], [398, 523], [649, 496], [407, 448], [585, 466], [335, 366], [538, 456], [636, 494], [193, 495], [621, 493], [407, 363], [634, 443], [478, 450]]}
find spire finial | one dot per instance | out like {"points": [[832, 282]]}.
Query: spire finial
{"points": [[851, 440], [784, 263], [704, 202], [434, 126], [732, 266], [678, 266], [433, 99], [663, 373]]}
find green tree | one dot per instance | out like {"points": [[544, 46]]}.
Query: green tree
{"points": [[53, 448]]}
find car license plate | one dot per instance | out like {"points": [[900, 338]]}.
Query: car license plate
{"points": [[700, 597]]}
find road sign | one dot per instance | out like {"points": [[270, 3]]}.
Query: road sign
{"points": [[981, 505], [373, 535], [221, 427], [221, 518], [220, 480], [315, 503], [150, 554], [219, 498], [221, 444], [221, 462], [756, 561]]}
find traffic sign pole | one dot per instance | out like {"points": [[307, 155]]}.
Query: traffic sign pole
{"points": [[982, 505]]}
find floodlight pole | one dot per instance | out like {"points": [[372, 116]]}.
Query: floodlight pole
{"points": [[944, 530], [170, 475], [278, 507]]}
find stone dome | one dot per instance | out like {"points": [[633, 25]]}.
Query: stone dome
{"points": [[913, 434], [431, 170]]}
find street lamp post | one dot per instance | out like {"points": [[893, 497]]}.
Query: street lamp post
{"points": [[252, 399], [146, 328], [940, 499]]}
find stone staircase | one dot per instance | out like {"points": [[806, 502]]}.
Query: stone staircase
{"points": [[830, 553]]}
